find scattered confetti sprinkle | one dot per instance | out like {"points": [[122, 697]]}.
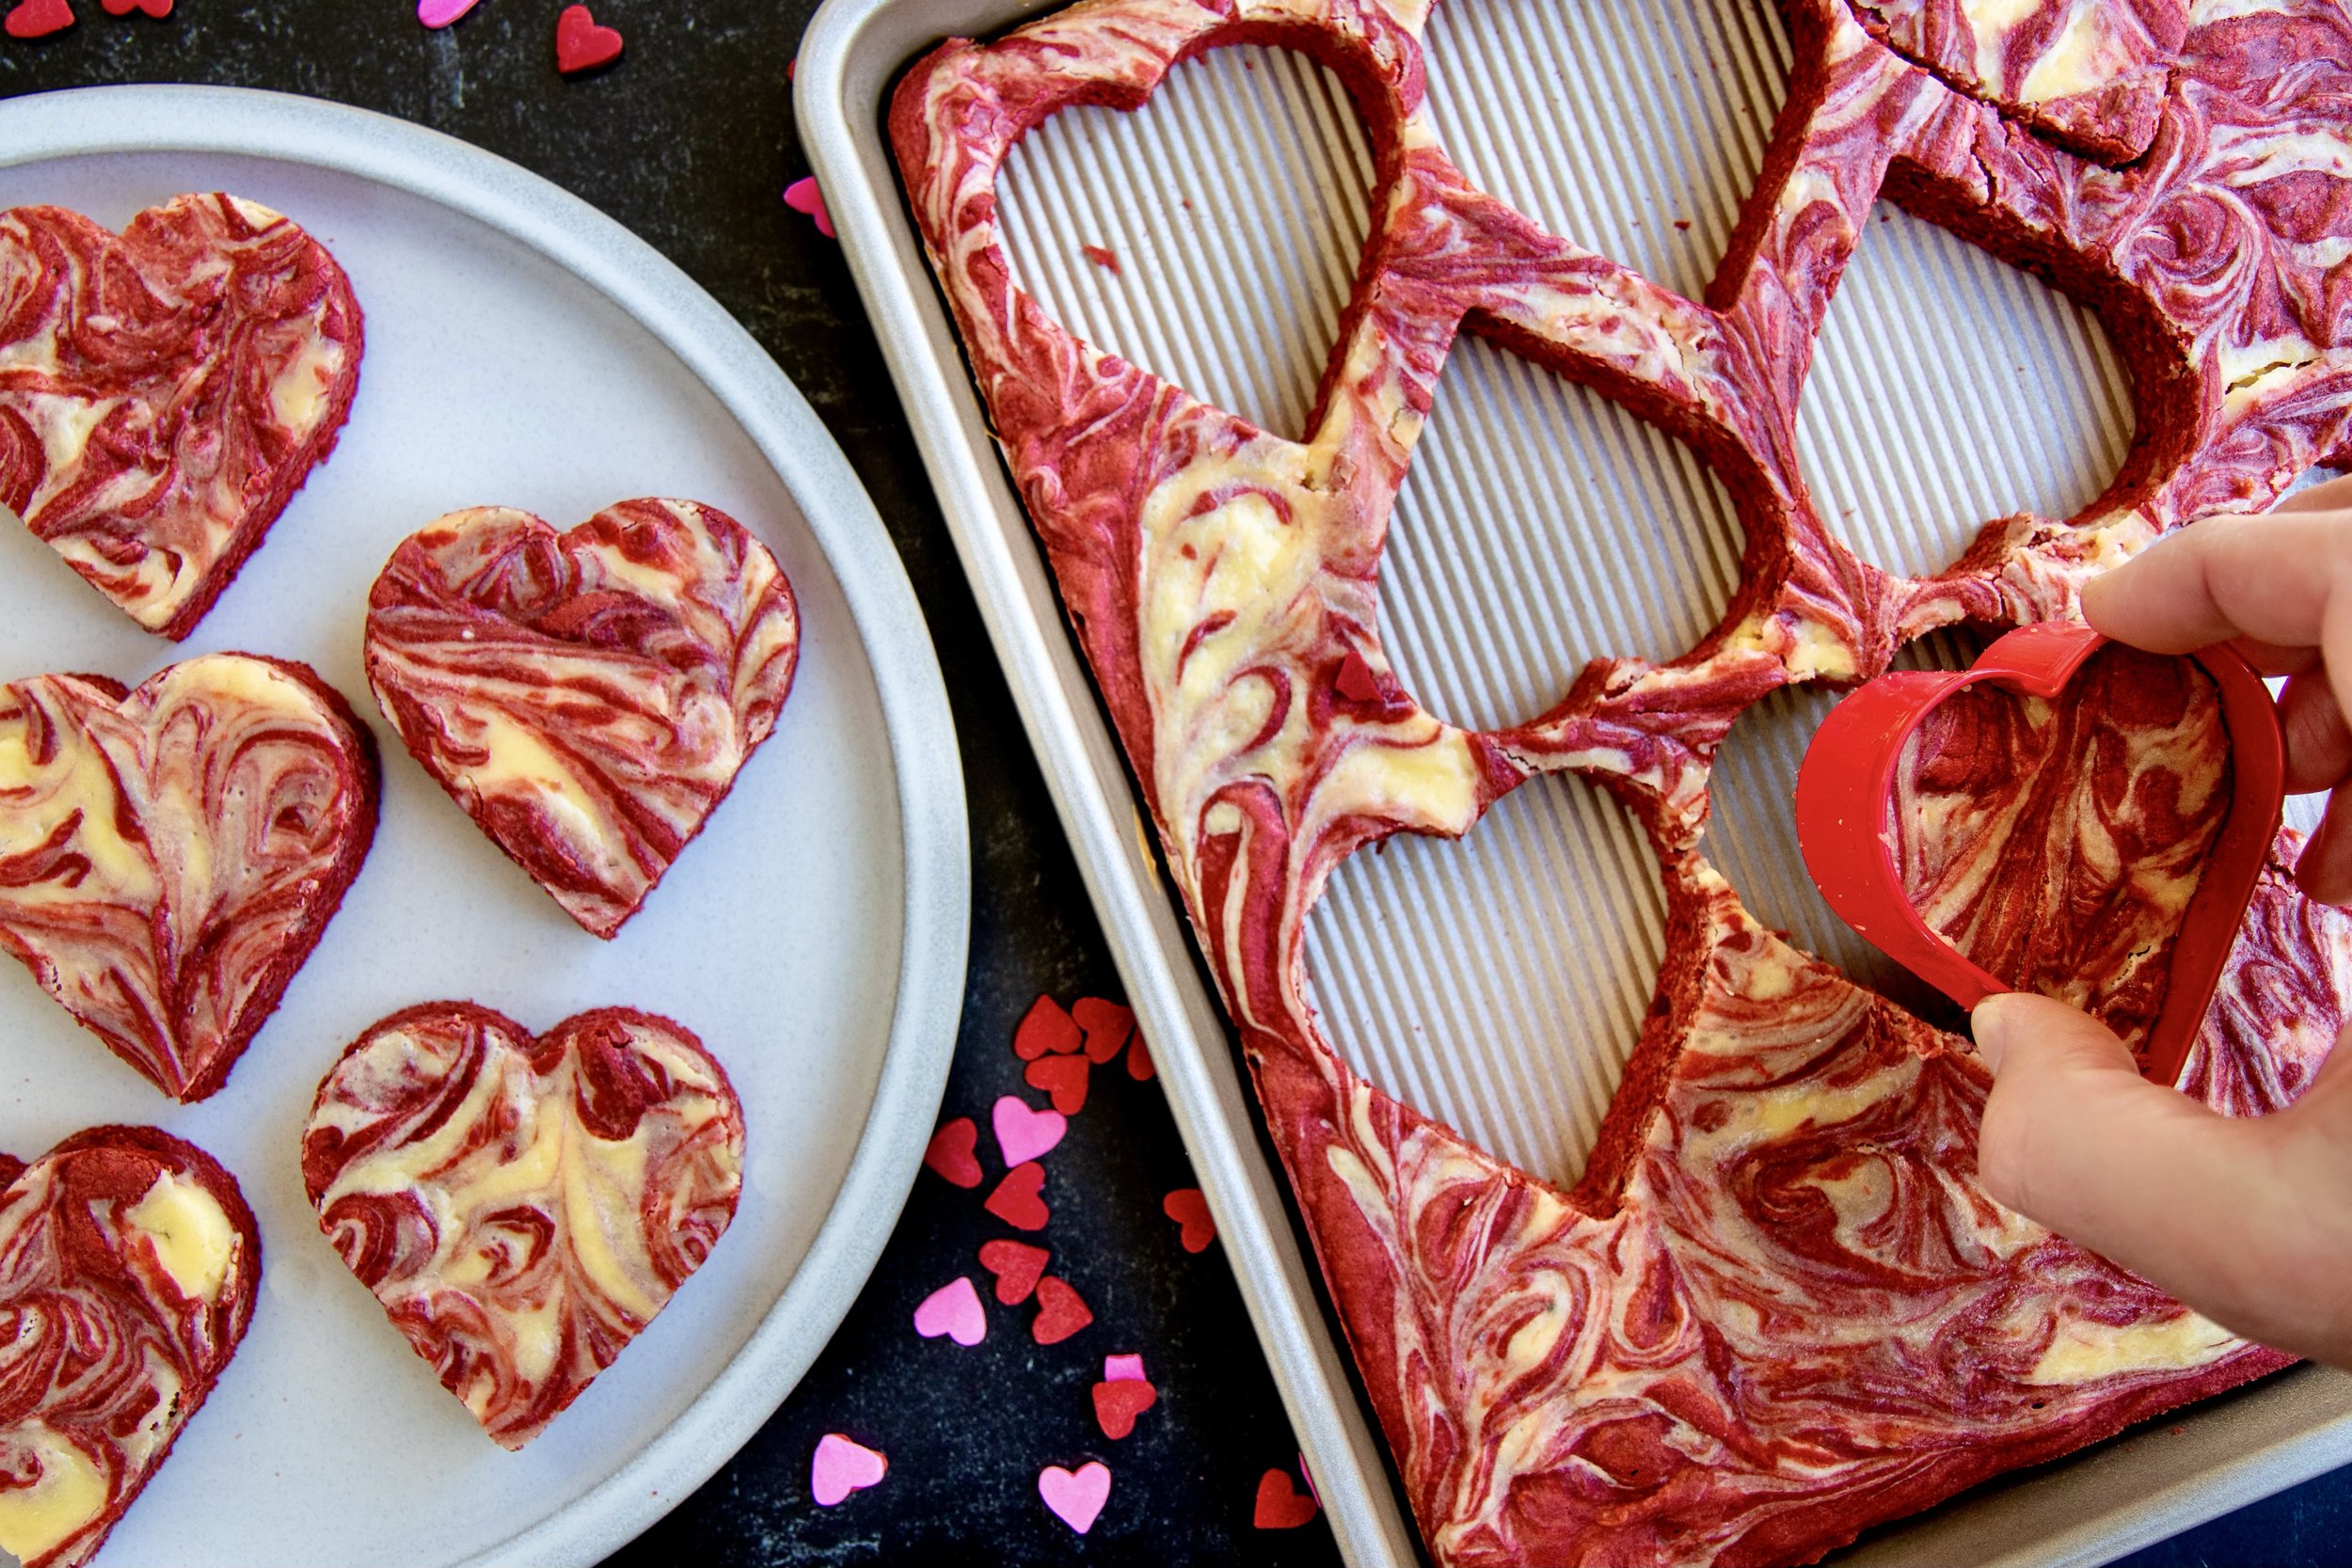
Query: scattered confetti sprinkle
{"points": [[38, 18], [953, 1309], [1023, 1131], [1139, 1063], [1280, 1505], [581, 44], [1190, 1210], [843, 1467], [1077, 1497], [950, 1152], [1061, 1312], [1064, 1078], [1016, 1266], [1122, 1369], [1119, 1400], [1016, 1201], [1046, 1028], [802, 195], [1107, 1024], [437, 14], [1102, 256]]}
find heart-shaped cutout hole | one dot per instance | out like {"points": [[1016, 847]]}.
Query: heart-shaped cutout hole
{"points": [[2067, 815], [1917, 427], [170, 856], [1210, 236], [587, 697], [1545, 106], [522, 1207], [155, 469], [1497, 983], [132, 1263], [1506, 571]]}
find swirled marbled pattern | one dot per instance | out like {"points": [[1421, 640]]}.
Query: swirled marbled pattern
{"points": [[522, 1207], [163, 394], [128, 1262], [2057, 842], [1778, 1307], [169, 856], [2091, 73], [588, 697]]}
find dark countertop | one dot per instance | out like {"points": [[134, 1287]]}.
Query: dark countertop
{"points": [[690, 141]]}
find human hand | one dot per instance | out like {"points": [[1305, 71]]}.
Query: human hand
{"points": [[2248, 1221]]}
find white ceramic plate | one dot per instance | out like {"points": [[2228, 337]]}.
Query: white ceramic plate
{"points": [[522, 349]]}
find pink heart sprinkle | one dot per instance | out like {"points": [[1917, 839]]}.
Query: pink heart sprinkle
{"points": [[842, 1467], [440, 13], [1023, 1133], [954, 1311], [1123, 1369], [802, 195], [1078, 1498]]}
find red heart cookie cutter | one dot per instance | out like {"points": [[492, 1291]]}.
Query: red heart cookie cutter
{"points": [[1848, 779]]}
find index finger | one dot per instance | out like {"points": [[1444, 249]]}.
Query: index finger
{"points": [[2265, 577]]}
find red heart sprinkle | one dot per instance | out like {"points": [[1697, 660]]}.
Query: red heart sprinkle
{"points": [[1045, 1029], [1016, 1201], [157, 8], [581, 44], [1016, 1266], [1061, 1312], [38, 18], [1139, 1063], [1187, 1207], [1117, 1404], [1064, 1078], [1107, 1024], [1356, 681], [949, 1152], [1279, 1504]]}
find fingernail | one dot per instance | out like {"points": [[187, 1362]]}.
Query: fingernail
{"points": [[1989, 1021]]}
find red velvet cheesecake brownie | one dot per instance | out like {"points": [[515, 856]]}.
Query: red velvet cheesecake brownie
{"points": [[2057, 842], [1777, 1307], [587, 697], [164, 392], [128, 1262], [522, 1207], [170, 855]]}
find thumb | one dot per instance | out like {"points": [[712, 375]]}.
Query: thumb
{"points": [[2075, 1138]]}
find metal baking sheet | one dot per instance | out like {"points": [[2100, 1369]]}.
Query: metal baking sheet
{"points": [[1513, 560]]}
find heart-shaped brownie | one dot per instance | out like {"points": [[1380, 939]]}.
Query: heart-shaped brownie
{"points": [[522, 1207], [588, 697], [2058, 841], [163, 393], [2068, 816], [169, 856], [128, 1261]]}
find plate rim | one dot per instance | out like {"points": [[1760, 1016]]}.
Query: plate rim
{"points": [[934, 843]]}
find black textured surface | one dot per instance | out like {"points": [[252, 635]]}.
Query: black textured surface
{"points": [[688, 140]]}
